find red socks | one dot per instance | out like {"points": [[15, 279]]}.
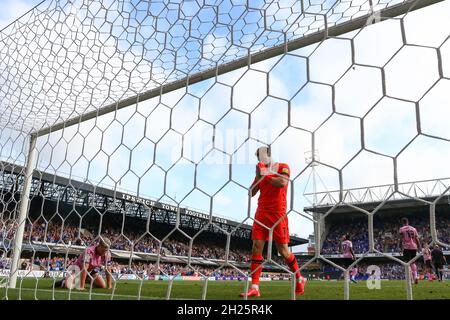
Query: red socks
{"points": [[293, 265], [257, 260]]}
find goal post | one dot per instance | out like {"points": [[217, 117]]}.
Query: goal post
{"points": [[23, 212]]}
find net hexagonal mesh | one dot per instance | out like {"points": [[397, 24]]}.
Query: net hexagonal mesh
{"points": [[137, 121]]}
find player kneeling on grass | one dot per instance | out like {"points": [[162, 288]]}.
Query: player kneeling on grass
{"points": [[272, 181], [88, 265]]}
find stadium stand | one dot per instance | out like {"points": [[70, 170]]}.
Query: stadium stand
{"points": [[385, 233], [386, 222], [124, 218], [65, 232]]}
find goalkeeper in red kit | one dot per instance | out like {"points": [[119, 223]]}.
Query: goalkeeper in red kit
{"points": [[271, 181]]}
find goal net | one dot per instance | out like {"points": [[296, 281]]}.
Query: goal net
{"points": [[137, 122]]}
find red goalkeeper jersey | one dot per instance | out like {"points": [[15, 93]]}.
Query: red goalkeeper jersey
{"points": [[271, 198]]}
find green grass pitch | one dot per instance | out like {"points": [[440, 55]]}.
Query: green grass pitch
{"points": [[221, 290]]}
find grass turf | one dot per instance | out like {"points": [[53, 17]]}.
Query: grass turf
{"points": [[224, 290]]}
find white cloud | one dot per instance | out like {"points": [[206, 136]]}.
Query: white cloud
{"points": [[13, 9], [222, 200], [330, 60]]}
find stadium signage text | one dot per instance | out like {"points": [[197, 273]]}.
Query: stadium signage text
{"points": [[203, 216], [152, 203], [147, 202]]}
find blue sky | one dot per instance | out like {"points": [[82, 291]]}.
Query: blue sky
{"points": [[12, 9], [144, 155]]}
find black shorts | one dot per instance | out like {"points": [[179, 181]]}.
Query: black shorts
{"points": [[428, 263], [409, 254], [94, 272], [438, 265], [346, 262]]}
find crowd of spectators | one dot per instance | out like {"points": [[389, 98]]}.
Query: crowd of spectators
{"points": [[52, 233], [143, 270], [139, 269], [385, 233], [388, 271], [49, 232], [391, 271]]}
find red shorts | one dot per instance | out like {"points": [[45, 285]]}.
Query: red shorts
{"points": [[268, 219]]}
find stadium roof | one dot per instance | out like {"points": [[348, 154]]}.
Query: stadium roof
{"points": [[409, 194]]}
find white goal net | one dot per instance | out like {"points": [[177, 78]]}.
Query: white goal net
{"points": [[137, 122]]}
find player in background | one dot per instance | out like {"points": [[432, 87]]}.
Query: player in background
{"points": [[349, 255], [353, 274], [409, 242], [93, 260], [439, 260], [426, 253], [271, 180]]}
